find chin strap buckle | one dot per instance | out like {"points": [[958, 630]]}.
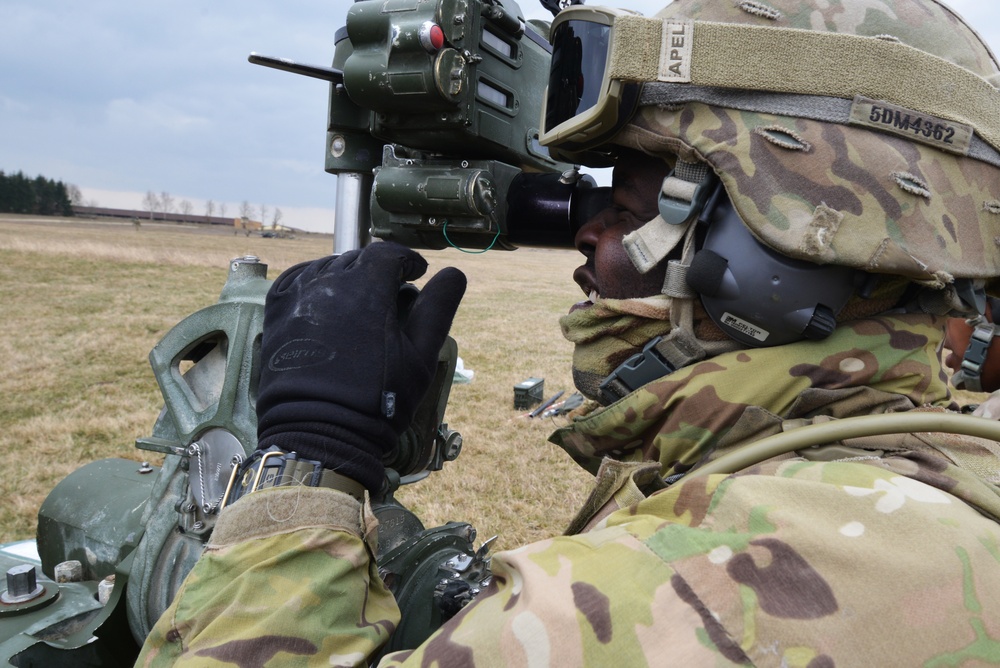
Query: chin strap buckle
{"points": [[659, 357], [635, 372], [969, 376], [685, 192], [682, 199]]}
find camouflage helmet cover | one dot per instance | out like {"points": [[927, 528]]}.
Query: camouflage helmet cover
{"points": [[851, 191]]}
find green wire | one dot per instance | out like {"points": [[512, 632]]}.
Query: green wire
{"points": [[444, 230]]}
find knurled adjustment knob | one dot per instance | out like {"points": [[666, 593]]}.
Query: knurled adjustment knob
{"points": [[822, 323]]}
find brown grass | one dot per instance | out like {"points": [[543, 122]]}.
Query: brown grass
{"points": [[83, 303]]}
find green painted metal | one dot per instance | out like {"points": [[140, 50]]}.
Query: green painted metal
{"points": [[147, 525]]}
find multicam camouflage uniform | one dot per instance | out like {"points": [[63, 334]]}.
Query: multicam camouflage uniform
{"points": [[887, 555]]}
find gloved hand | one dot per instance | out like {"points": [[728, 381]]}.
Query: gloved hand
{"points": [[346, 355]]}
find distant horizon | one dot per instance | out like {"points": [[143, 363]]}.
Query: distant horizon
{"points": [[313, 220], [95, 98]]}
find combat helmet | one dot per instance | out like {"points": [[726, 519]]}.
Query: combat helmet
{"points": [[832, 144]]}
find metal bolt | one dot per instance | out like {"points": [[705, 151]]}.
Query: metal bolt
{"points": [[22, 584], [338, 146], [69, 571], [198, 526], [145, 468], [105, 588], [452, 446], [246, 259]]}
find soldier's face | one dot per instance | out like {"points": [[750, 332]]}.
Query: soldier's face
{"points": [[608, 272]]}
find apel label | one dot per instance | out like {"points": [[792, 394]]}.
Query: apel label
{"points": [[675, 51], [938, 132], [744, 327]]}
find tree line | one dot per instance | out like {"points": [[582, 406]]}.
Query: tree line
{"points": [[38, 196], [48, 197], [164, 203]]}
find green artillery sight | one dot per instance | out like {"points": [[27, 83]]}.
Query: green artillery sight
{"points": [[433, 128]]}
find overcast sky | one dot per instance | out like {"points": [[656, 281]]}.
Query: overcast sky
{"points": [[120, 98]]}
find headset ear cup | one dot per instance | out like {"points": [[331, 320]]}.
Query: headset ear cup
{"points": [[758, 296]]}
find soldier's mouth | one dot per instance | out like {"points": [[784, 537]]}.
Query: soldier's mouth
{"points": [[586, 303], [584, 277]]}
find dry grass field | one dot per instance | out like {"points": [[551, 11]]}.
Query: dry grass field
{"points": [[84, 301]]}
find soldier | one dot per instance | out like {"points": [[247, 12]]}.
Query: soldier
{"points": [[803, 192]]}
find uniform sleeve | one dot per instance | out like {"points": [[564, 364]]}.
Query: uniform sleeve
{"points": [[598, 599], [287, 579]]}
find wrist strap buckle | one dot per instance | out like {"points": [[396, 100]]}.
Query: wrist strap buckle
{"points": [[275, 468]]}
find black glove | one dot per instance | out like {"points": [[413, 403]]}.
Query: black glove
{"points": [[347, 355]]}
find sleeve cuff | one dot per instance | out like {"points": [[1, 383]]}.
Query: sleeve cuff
{"points": [[284, 509]]}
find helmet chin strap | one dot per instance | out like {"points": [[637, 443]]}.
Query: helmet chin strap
{"points": [[682, 344], [647, 247], [683, 196]]}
